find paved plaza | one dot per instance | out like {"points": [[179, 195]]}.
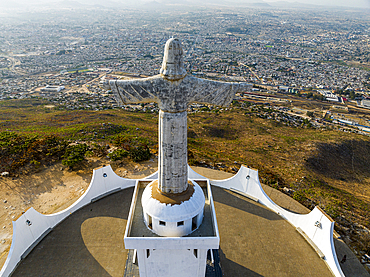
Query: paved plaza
{"points": [[254, 242]]}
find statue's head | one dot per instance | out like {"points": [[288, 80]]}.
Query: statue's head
{"points": [[173, 65]]}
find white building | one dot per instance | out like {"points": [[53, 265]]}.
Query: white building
{"points": [[330, 96], [365, 102], [53, 88]]}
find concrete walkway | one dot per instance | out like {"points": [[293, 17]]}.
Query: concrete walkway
{"points": [[88, 243], [257, 242], [352, 266]]}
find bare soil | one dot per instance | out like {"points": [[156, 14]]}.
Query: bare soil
{"points": [[52, 189]]}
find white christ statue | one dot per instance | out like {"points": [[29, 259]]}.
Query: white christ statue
{"points": [[173, 90]]}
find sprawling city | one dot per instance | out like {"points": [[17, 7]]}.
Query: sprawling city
{"points": [[322, 54], [304, 122]]}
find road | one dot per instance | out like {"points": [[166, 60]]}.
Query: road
{"points": [[13, 63]]}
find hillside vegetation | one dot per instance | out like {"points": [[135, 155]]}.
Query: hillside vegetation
{"points": [[328, 168]]}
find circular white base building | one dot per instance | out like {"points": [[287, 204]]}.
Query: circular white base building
{"points": [[173, 215]]}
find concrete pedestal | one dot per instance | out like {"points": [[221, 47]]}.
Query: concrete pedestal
{"points": [[173, 215], [171, 256]]}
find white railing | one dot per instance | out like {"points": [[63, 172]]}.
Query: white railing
{"points": [[31, 227], [316, 227]]}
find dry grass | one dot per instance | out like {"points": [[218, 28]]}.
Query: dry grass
{"points": [[328, 168]]}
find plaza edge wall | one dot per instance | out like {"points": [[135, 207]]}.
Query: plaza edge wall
{"points": [[32, 226], [316, 227]]}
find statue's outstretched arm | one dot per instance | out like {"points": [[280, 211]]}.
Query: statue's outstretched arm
{"points": [[214, 92], [134, 91]]}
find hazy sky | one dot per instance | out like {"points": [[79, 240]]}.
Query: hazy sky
{"points": [[348, 3]]}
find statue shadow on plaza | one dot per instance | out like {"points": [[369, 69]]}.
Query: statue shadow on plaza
{"points": [[244, 204], [233, 268]]}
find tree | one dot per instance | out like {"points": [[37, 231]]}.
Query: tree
{"points": [[118, 154], [136, 147], [74, 154], [140, 153], [310, 114]]}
